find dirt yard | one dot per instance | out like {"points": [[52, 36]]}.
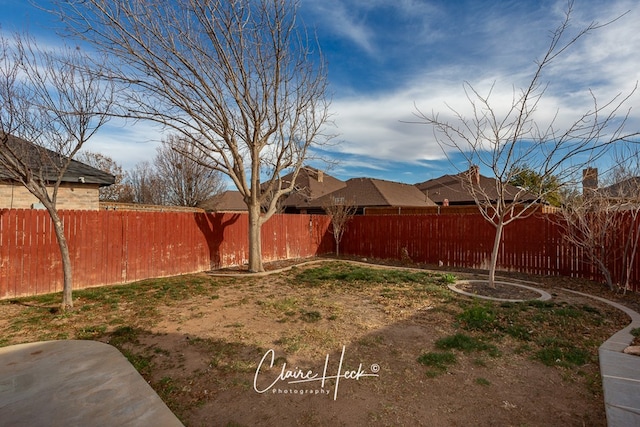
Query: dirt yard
{"points": [[206, 344]]}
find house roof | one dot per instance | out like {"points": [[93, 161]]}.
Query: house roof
{"points": [[371, 192], [627, 189], [310, 185], [454, 188], [40, 159], [227, 201]]}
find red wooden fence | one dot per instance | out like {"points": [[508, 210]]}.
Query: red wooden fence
{"points": [[109, 247], [533, 245]]}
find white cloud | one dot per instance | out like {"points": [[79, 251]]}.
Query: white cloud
{"points": [[126, 143], [606, 62], [343, 22]]}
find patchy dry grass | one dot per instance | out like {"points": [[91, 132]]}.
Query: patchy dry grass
{"points": [[198, 339]]}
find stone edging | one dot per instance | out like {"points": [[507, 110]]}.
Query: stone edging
{"points": [[544, 296]]}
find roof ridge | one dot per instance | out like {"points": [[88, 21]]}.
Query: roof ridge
{"points": [[374, 182]]}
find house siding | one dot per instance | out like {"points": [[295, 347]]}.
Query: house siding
{"points": [[70, 196]]}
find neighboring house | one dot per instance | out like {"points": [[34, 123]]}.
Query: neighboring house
{"points": [[311, 184], [626, 191], [453, 190], [314, 190], [78, 189], [371, 194], [227, 201]]}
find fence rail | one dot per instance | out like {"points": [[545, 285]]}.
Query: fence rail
{"points": [[113, 247]]}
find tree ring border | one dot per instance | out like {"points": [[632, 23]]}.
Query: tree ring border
{"points": [[544, 296]]}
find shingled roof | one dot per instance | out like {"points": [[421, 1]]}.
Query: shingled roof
{"points": [[310, 185], [371, 192], [40, 159], [227, 201], [455, 189], [626, 189]]}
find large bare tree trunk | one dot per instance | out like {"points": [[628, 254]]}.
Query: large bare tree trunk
{"points": [[255, 241]]}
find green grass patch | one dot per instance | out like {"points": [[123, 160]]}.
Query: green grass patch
{"points": [[482, 381], [478, 317], [287, 306], [466, 344], [353, 275], [447, 279], [557, 352], [91, 332], [291, 343], [124, 335], [141, 362], [437, 360]]}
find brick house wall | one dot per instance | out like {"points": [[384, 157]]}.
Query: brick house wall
{"points": [[70, 196]]}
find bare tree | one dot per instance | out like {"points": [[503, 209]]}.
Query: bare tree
{"points": [[507, 143], [145, 185], [51, 106], [115, 192], [240, 79], [589, 223], [340, 210], [189, 180], [604, 222]]}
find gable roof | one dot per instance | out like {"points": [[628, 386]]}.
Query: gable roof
{"points": [[310, 185], [41, 159], [454, 189], [371, 192]]}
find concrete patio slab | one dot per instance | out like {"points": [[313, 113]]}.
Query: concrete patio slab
{"points": [[75, 383]]}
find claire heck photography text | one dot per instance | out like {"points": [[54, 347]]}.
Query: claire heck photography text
{"points": [[299, 381]]}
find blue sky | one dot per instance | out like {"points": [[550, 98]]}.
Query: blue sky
{"points": [[387, 57]]}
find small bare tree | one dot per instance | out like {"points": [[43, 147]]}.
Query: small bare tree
{"points": [[239, 79], [340, 210], [507, 143], [604, 223], [590, 223], [51, 106], [145, 185]]}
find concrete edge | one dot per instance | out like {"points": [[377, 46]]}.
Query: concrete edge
{"points": [[620, 372]]}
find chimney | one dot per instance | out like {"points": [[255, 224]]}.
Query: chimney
{"points": [[589, 180], [320, 176]]}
